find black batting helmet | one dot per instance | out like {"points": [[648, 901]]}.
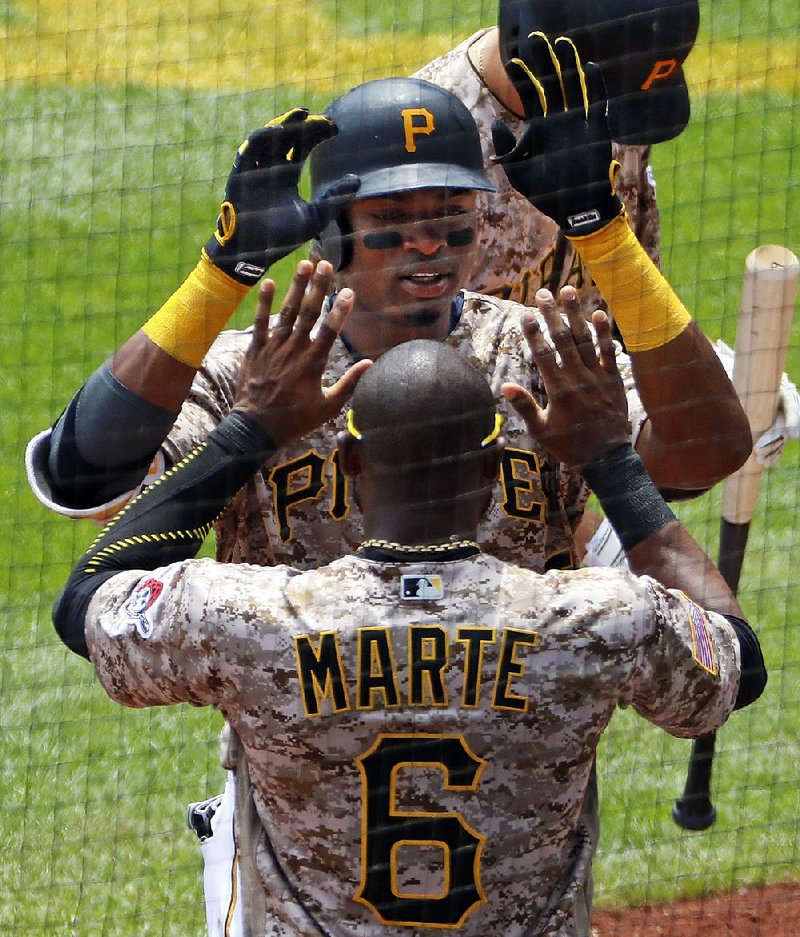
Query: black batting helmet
{"points": [[396, 135], [640, 46]]}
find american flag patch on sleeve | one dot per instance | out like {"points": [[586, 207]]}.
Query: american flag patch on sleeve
{"points": [[702, 644]]}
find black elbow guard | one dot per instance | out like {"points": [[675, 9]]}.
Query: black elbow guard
{"points": [[104, 442], [82, 484], [753, 677]]}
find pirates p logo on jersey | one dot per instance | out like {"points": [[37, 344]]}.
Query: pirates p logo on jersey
{"points": [[421, 587]]}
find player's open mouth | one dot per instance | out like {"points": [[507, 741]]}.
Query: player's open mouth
{"points": [[425, 285]]}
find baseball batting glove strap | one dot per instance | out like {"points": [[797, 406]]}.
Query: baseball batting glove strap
{"points": [[562, 162], [262, 217]]}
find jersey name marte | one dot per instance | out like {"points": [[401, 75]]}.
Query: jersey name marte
{"points": [[442, 779]]}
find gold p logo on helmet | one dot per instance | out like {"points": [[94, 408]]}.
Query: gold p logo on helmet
{"points": [[412, 125]]}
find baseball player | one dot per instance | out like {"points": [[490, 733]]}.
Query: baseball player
{"points": [[404, 244], [640, 46], [419, 718]]}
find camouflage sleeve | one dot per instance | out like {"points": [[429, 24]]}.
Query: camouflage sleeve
{"points": [[687, 669], [168, 635], [636, 187]]}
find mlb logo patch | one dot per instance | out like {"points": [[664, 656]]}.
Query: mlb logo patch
{"points": [[421, 587]]}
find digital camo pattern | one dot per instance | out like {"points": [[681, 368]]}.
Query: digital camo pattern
{"points": [[299, 509], [458, 732], [520, 247]]}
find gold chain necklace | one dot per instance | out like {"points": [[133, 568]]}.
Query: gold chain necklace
{"points": [[421, 548]]}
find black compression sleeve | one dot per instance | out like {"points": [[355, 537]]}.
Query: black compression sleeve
{"points": [[168, 522], [754, 672], [104, 441]]}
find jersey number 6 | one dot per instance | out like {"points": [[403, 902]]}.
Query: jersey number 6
{"points": [[386, 830]]}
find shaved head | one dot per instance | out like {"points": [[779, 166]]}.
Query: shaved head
{"points": [[422, 405]]}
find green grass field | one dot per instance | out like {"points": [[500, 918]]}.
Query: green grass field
{"points": [[115, 142]]}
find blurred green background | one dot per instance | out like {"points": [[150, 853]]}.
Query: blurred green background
{"points": [[117, 132]]}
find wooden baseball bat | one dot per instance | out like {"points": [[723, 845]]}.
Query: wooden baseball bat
{"points": [[762, 339]]}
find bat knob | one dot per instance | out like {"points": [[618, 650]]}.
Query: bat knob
{"points": [[694, 813]]}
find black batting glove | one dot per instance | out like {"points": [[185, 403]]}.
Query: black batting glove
{"points": [[263, 217], [562, 162]]}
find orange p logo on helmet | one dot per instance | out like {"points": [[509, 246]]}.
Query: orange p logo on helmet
{"points": [[412, 125], [662, 69]]}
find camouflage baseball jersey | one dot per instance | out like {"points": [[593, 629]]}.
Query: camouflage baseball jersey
{"points": [[520, 247], [420, 736], [300, 510]]}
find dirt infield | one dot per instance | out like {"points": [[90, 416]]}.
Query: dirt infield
{"points": [[771, 911]]}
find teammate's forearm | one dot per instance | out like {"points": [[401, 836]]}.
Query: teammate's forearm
{"points": [[655, 542], [189, 321], [160, 360], [168, 522], [675, 559], [697, 432], [104, 442], [668, 553], [645, 308]]}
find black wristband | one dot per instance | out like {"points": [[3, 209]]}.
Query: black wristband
{"points": [[753, 677], [628, 496]]}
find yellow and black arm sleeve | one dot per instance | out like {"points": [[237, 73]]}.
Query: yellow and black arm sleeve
{"points": [[167, 522]]}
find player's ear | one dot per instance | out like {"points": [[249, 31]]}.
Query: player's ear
{"points": [[493, 459], [349, 453]]}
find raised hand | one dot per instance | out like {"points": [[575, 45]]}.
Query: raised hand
{"points": [[263, 217], [586, 414], [280, 383], [562, 162]]}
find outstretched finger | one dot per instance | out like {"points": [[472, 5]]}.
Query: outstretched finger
{"points": [[605, 342], [579, 327], [334, 321], [526, 406], [543, 353], [337, 395], [310, 133], [314, 297], [596, 95], [290, 306], [572, 76], [558, 330], [266, 293]]}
